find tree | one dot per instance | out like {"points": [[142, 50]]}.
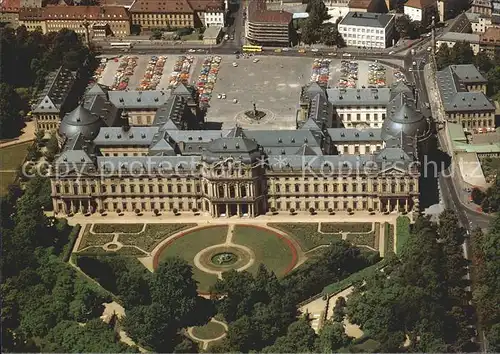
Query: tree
{"points": [[318, 14], [406, 27], [10, 108], [52, 147], [462, 53], [300, 338], [483, 62], [477, 195], [443, 56], [331, 338]]}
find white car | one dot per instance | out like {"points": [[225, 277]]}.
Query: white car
{"points": [[391, 52], [223, 96], [314, 50], [286, 49], [256, 60], [235, 65], [191, 51], [219, 96]]}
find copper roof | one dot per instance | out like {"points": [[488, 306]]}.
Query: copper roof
{"points": [[10, 5], [75, 12], [420, 4], [360, 4], [162, 6], [258, 12]]}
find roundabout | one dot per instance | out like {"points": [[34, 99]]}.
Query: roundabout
{"points": [[215, 249]]}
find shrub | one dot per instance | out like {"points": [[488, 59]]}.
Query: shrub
{"points": [[349, 210], [102, 211], [311, 211], [292, 211], [118, 211], [137, 211], [477, 196], [71, 244], [337, 227], [370, 210], [156, 212], [273, 210], [330, 210], [112, 228], [175, 211], [195, 210]]}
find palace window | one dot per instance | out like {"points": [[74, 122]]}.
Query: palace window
{"points": [[122, 188], [344, 188], [84, 189], [58, 189], [325, 188], [160, 189], [297, 188], [151, 188], [179, 188], [221, 191], [277, 188], [188, 188], [132, 189]]}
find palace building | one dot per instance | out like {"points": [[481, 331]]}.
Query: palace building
{"points": [[108, 165]]}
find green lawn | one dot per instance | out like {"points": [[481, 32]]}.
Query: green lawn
{"points": [[12, 157], [153, 234], [6, 179], [189, 245], [389, 238], [269, 249], [211, 330], [306, 234]]}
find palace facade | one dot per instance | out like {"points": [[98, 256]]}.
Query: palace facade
{"points": [[115, 167]]}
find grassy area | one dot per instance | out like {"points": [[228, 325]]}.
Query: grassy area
{"points": [[90, 239], [362, 345], [306, 234], [110, 228], [389, 237], [268, 248], [6, 178], [402, 232], [491, 167], [153, 234], [12, 157], [337, 227], [353, 278], [211, 330], [189, 245]]}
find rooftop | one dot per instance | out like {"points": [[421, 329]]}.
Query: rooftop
{"points": [[458, 36], [366, 19], [162, 6], [492, 34], [352, 96], [468, 73], [360, 4], [420, 4], [258, 12], [10, 5], [76, 12]]}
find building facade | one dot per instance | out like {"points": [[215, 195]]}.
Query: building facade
{"points": [[478, 22], [489, 41], [367, 30], [451, 38], [482, 7], [268, 27], [9, 12], [421, 10], [53, 101], [54, 18], [462, 89], [239, 172]]}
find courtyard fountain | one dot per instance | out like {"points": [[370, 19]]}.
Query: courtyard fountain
{"points": [[255, 114]]}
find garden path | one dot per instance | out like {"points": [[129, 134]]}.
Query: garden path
{"points": [[206, 342]]}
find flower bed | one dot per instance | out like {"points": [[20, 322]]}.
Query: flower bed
{"points": [[152, 235], [367, 239], [306, 234], [337, 227], [90, 239], [110, 228], [208, 77]]}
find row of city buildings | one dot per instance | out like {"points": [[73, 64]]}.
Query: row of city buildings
{"points": [[112, 18]]}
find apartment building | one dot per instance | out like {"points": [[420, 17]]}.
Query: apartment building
{"points": [[177, 14], [479, 23], [421, 10], [267, 27], [375, 6], [114, 19], [481, 7], [239, 172], [9, 12], [489, 41], [367, 30], [462, 90]]}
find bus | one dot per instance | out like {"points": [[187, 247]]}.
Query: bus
{"points": [[252, 48], [121, 45]]}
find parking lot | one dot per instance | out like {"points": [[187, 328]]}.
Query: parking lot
{"points": [[361, 71], [139, 71], [273, 84]]}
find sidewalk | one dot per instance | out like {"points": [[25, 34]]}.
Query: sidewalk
{"points": [[27, 134], [188, 217]]}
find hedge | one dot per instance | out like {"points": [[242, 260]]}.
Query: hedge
{"points": [[73, 236], [121, 228], [337, 227], [402, 232]]}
